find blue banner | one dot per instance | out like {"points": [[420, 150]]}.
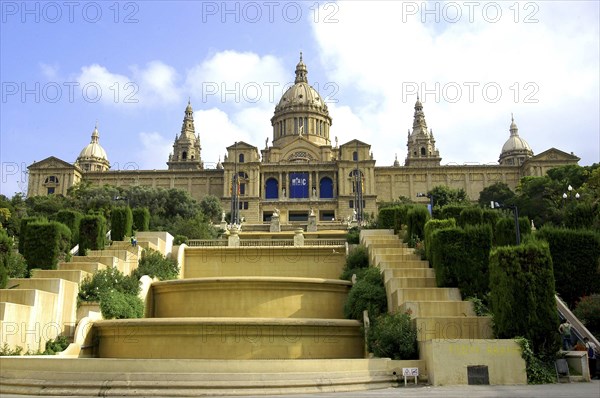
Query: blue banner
{"points": [[298, 185]]}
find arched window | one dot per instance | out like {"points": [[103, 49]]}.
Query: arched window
{"points": [[184, 155], [355, 156], [326, 188], [423, 152], [242, 179], [272, 188], [51, 180], [241, 158]]}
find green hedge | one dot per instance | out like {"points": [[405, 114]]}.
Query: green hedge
{"points": [[416, 217], [6, 245], [451, 211], [23, 229], [121, 221], [433, 225], [141, 219], [470, 216], [580, 215], [576, 259], [386, 218], [46, 243], [522, 295], [504, 232], [92, 233], [106, 281], [460, 258], [71, 219]]}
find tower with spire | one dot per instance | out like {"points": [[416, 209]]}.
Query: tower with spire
{"points": [[186, 148], [421, 144], [515, 150]]}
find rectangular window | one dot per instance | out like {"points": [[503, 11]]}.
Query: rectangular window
{"points": [[351, 204], [243, 205], [50, 191]]}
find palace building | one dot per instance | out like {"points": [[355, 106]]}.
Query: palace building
{"points": [[302, 171]]}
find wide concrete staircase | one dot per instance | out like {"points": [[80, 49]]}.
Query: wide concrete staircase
{"points": [[447, 326]]}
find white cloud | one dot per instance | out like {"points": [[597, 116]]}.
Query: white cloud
{"points": [[50, 72], [555, 64], [150, 86], [154, 151]]}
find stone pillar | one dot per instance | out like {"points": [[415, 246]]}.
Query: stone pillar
{"points": [[275, 227], [234, 237], [298, 237], [312, 222]]}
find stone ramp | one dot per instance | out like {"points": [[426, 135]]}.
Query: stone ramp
{"points": [[191, 377]]}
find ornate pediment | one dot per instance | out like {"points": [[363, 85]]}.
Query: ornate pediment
{"points": [[553, 155], [51, 163]]}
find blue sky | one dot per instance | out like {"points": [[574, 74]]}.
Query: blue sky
{"points": [[131, 66]]}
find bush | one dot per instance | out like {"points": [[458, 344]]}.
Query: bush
{"points": [[357, 259], [107, 281], [23, 230], [451, 211], [3, 272], [46, 243], [522, 295], [505, 234], [17, 266], [180, 240], [353, 236], [393, 336], [417, 216], [433, 225], [580, 215], [368, 293], [588, 312], [121, 221], [155, 265], [141, 219], [54, 346], [538, 370], [386, 218], [92, 233], [119, 305], [470, 216], [576, 260], [71, 219], [460, 258]]}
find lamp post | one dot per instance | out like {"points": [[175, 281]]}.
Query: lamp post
{"points": [[515, 210], [430, 205], [126, 198], [234, 190]]}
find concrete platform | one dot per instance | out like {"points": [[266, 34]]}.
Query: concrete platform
{"points": [[192, 377], [76, 276], [90, 267]]}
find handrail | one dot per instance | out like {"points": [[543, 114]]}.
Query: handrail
{"points": [[577, 327]]}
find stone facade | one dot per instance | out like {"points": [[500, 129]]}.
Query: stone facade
{"points": [[301, 171]]}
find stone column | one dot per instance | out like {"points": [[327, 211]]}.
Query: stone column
{"points": [[298, 237], [234, 237]]}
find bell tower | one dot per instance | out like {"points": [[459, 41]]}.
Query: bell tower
{"points": [[421, 144], [186, 148]]}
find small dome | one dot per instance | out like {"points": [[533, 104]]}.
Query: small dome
{"points": [[94, 149]]}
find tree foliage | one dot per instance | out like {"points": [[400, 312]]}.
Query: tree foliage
{"points": [[498, 192]]}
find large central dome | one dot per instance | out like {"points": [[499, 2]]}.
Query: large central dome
{"points": [[301, 111]]}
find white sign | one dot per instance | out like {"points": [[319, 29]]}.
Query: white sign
{"points": [[410, 372]]}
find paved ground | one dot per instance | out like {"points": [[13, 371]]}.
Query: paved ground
{"points": [[573, 390]]}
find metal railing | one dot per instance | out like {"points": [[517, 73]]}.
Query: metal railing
{"points": [[267, 242]]}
